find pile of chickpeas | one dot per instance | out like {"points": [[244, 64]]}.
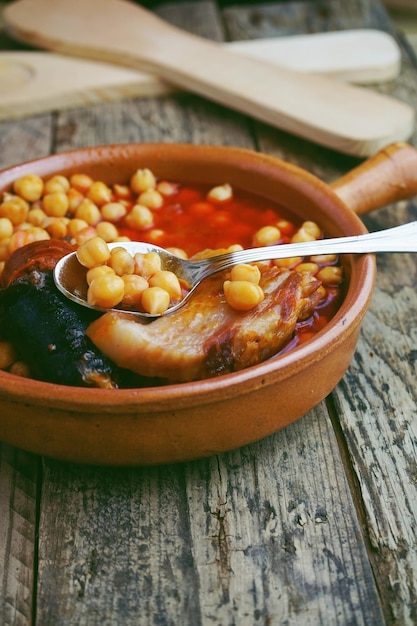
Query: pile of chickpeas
{"points": [[87, 213], [115, 277]]}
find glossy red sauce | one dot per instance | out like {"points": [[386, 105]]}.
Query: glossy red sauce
{"points": [[193, 223]]}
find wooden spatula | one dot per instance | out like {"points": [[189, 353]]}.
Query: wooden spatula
{"points": [[31, 81], [336, 115]]}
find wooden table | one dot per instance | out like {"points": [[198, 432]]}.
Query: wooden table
{"points": [[314, 525]]}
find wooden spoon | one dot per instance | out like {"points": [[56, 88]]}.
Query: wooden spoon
{"points": [[336, 115]]}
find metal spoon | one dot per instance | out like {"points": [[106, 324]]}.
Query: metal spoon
{"points": [[69, 274]]}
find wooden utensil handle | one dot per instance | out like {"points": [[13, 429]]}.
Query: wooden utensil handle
{"points": [[388, 176]]}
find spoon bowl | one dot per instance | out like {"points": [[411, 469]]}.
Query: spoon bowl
{"points": [[70, 275]]}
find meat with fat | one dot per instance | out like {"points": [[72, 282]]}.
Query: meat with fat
{"points": [[206, 337]]}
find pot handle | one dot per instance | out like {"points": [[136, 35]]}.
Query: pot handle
{"points": [[388, 176]]}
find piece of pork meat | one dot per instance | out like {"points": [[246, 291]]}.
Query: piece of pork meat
{"points": [[206, 337]]}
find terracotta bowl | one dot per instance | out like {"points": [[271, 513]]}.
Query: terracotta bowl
{"points": [[192, 420]]}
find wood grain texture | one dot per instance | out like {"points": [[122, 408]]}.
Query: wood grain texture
{"points": [[314, 525], [244, 538], [18, 506]]}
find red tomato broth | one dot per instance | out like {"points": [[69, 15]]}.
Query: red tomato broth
{"points": [[193, 223]]}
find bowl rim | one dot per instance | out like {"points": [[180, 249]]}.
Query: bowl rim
{"points": [[190, 394]]}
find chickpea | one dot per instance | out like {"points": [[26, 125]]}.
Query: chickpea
{"points": [[29, 187], [285, 227], [122, 192], [57, 183], [330, 275], [122, 238], [134, 287], [302, 235], [220, 193], [106, 291], [99, 193], [83, 235], [324, 259], [81, 182], [266, 236], [151, 198], [113, 211], [36, 216], [99, 270], [155, 300], [107, 231], [246, 272], [290, 262], [7, 355], [156, 234], [93, 252], [167, 188], [142, 180], [19, 368], [121, 261], [167, 280], [140, 217], [147, 263], [311, 268], [75, 225], [242, 295], [55, 204], [321, 292], [179, 252], [88, 211], [312, 228], [56, 227], [15, 209], [6, 227], [75, 198], [22, 237]]}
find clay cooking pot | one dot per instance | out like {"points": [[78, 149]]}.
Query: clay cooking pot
{"points": [[192, 420]]}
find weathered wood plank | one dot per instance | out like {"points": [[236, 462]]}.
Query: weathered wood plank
{"points": [[377, 404], [29, 139], [120, 551], [178, 118], [18, 487], [286, 534], [19, 476], [266, 534]]}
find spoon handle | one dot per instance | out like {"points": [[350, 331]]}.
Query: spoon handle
{"points": [[398, 239]]}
